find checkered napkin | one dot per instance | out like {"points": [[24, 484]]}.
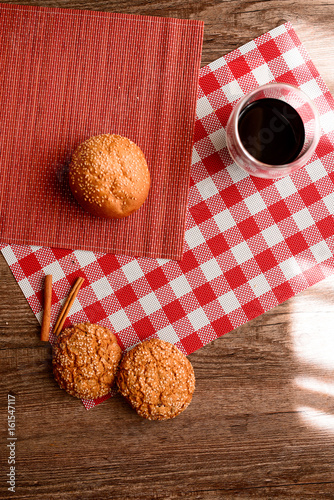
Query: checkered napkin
{"points": [[67, 75], [250, 243]]}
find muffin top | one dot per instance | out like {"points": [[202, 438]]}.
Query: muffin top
{"points": [[157, 379], [85, 360]]}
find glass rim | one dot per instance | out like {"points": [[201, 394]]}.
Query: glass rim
{"points": [[312, 146]]}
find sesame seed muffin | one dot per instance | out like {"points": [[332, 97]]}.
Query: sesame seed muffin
{"points": [[85, 360], [109, 176], [157, 379]]}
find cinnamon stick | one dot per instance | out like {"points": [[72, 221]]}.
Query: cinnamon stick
{"points": [[67, 306], [47, 308]]}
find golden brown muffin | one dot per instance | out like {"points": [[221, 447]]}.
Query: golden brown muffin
{"points": [[157, 379], [109, 176], [85, 360]]}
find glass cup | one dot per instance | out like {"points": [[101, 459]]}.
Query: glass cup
{"points": [[306, 110]]}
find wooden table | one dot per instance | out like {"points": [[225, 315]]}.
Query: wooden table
{"points": [[261, 424]]}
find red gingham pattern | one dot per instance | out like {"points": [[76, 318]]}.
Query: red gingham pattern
{"points": [[250, 243], [67, 75]]}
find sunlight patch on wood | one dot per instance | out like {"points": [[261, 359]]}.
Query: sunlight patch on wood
{"points": [[313, 339], [317, 418], [315, 385]]}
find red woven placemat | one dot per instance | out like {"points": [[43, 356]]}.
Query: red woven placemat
{"points": [[250, 243], [67, 75]]}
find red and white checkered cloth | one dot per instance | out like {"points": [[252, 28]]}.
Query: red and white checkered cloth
{"points": [[250, 243]]}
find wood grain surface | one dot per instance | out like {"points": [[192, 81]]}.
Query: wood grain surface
{"points": [[261, 423]]}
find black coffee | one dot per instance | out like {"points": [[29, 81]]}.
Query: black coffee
{"points": [[272, 131]]}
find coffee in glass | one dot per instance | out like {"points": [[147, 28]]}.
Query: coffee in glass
{"points": [[273, 131]]}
